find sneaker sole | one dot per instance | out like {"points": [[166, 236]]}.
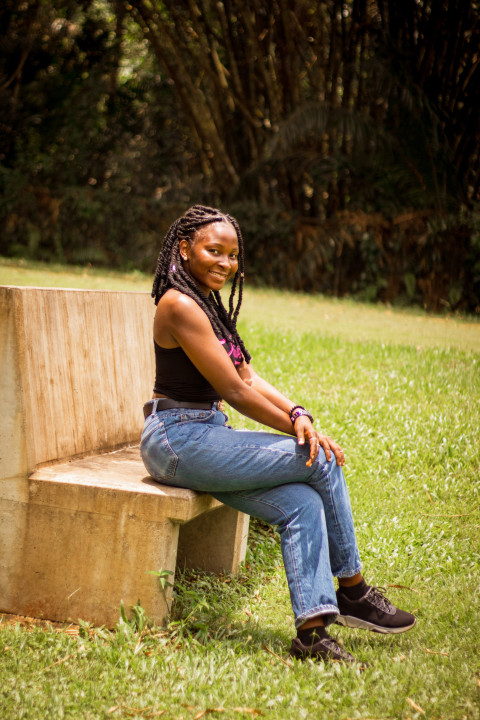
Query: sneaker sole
{"points": [[354, 622], [297, 655]]}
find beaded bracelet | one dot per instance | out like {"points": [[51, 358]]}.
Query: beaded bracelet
{"points": [[297, 411]]}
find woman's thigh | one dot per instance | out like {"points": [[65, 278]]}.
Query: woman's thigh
{"points": [[215, 458], [280, 505]]}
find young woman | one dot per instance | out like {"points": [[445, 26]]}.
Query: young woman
{"points": [[293, 480]]}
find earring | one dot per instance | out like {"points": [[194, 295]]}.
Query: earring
{"points": [[184, 257]]}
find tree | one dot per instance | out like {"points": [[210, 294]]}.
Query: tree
{"points": [[303, 97], [355, 117], [342, 133], [88, 128]]}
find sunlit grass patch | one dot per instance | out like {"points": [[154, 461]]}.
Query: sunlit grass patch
{"points": [[407, 413]]}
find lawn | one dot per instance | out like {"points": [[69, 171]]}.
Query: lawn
{"points": [[401, 391]]}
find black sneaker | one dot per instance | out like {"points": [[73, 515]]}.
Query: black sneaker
{"points": [[324, 648], [373, 612]]}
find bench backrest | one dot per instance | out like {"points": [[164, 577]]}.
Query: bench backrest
{"points": [[76, 368]]}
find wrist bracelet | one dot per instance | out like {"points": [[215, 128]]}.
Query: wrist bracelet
{"points": [[295, 407], [297, 411]]}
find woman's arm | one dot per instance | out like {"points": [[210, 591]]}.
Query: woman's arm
{"points": [[251, 378], [180, 321]]}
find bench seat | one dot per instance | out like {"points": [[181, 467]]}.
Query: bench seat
{"points": [[81, 523], [97, 525]]}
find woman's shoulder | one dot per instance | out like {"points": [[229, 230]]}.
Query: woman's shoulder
{"points": [[179, 307], [176, 301]]}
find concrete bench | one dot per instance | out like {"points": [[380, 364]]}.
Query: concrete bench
{"points": [[81, 523]]}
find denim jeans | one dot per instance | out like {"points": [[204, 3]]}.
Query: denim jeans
{"points": [[264, 475]]}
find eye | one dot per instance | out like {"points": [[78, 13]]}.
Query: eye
{"points": [[234, 256]]}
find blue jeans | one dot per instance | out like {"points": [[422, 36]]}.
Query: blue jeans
{"points": [[264, 474]]}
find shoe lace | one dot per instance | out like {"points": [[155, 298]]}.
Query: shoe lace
{"points": [[376, 595], [331, 645]]}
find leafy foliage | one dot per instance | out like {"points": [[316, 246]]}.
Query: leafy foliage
{"points": [[82, 162], [323, 125]]}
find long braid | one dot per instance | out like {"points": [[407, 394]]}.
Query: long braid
{"points": [[170, 272]]}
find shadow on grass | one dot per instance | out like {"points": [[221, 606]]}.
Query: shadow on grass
{"points": [[209, 607]]}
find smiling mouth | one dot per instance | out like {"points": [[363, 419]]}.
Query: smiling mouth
{"points": [[219, 275]]}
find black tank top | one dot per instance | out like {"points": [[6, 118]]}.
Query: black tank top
{"points": [[178, 378]]}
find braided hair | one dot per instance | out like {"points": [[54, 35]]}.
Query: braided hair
{"points": [[170, 272]]}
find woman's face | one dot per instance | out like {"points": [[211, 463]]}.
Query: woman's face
{"points": [[212, 257]]}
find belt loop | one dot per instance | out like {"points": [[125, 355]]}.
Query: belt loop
{"points": [[152, 407]]}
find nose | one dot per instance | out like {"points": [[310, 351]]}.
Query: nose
{"points": [[223, 261]]}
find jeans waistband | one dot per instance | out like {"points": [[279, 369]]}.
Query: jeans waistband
{"points": [[160, 404]]}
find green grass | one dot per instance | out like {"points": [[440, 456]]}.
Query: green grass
{"points": [[346, 319], [401, 392], [38, 274]]}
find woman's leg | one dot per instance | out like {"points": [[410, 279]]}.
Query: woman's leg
{"points": [[265, 475], [297, 511]]}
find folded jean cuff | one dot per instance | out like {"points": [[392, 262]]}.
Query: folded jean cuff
{"points": [[348, 573], [331, 610]]}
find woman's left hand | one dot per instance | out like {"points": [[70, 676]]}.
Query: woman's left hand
{"points": [[329, 446], [317, 441]]}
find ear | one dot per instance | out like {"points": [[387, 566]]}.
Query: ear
{"points": [[184, 248]]}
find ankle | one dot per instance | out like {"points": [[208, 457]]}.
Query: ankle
{"points": [[354, 592], [310, 635]]}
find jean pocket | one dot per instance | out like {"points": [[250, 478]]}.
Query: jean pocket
{"points": [[157, 455], [151, 424]]}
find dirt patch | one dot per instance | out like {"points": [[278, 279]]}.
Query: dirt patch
{"points": [[6, 620]]}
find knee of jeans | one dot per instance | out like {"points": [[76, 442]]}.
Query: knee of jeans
{"points": [[325, 466], [329, 471], [303, 505], [333, 467]]}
